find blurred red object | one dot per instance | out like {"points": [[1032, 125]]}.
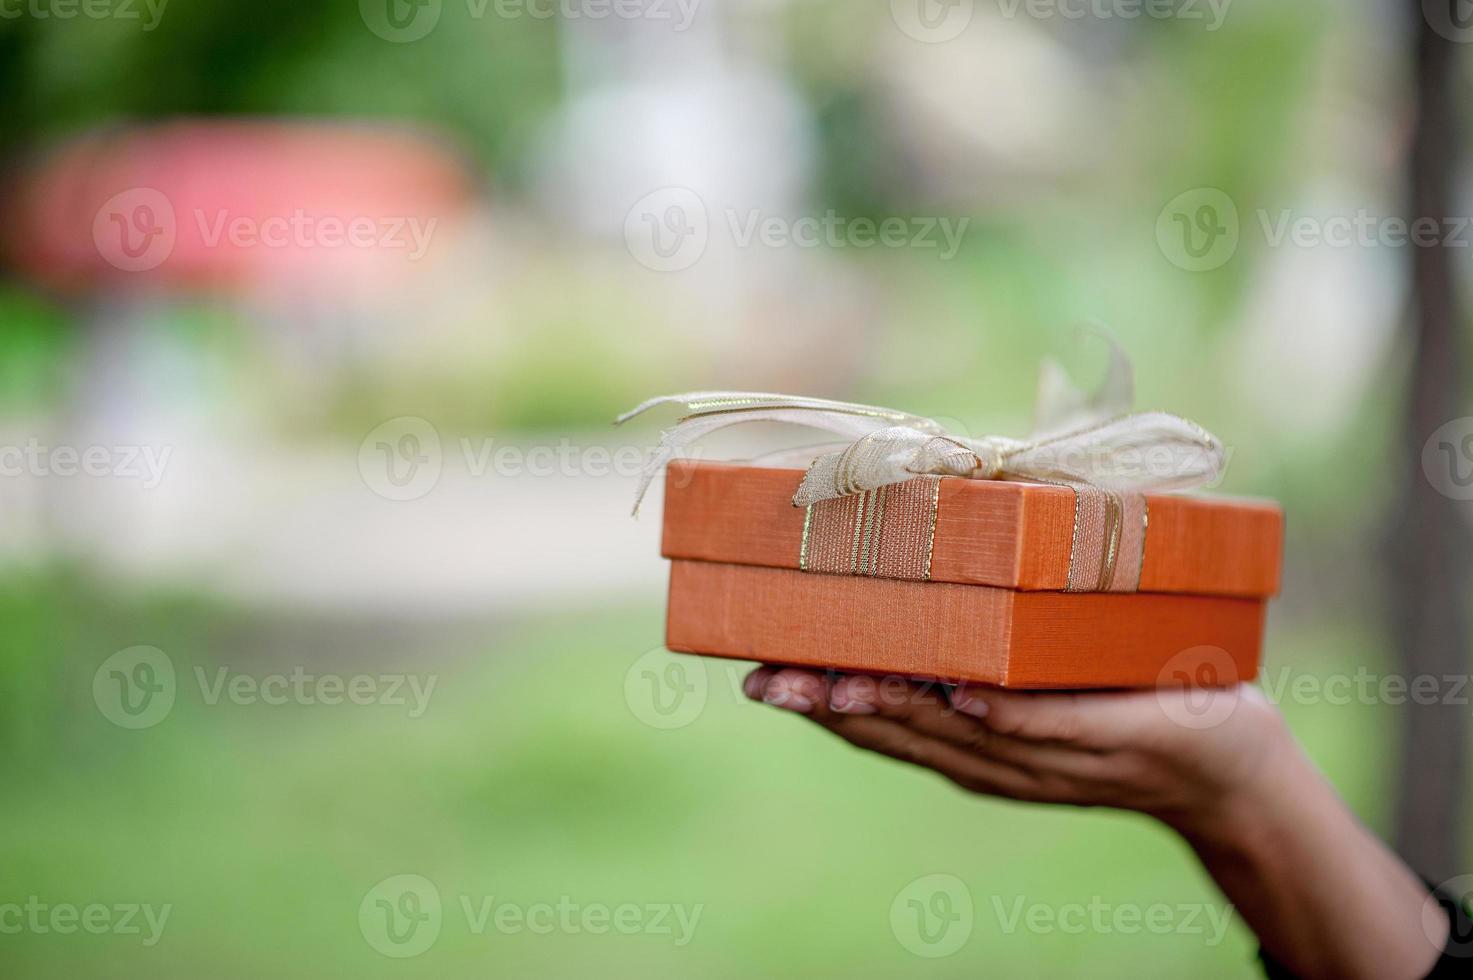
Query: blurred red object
{"points": [[237, 205]]}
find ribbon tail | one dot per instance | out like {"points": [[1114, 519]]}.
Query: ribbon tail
{"points": [[702, 403], [715, 410]]}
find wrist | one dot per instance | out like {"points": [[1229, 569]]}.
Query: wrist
{"points": [[1288, 853], [1242, 818]]}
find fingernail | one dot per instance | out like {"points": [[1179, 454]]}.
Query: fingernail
{"points": [[844, 706], [968, 705], [788, 700]]}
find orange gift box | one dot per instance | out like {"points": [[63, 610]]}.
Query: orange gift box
{"points": [[965, 580]]}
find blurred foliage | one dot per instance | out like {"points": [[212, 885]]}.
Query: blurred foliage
{"points": [[1196, 108], [34, 351], [486, 80]]}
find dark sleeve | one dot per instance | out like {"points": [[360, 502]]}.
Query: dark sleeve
{"points": [[1456, 959]]}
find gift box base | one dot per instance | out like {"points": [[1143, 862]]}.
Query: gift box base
{"points": [[950, 632]]}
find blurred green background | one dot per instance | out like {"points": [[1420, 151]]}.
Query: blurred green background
{"points": [[536, 770]]}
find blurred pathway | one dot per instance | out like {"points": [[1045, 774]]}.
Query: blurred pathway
{"points": [[310, 527]]}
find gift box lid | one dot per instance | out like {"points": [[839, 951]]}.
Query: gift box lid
{"points": [[1001, 533]]}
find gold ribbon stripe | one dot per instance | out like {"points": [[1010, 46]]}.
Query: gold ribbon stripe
{"points": [[891, 533]]}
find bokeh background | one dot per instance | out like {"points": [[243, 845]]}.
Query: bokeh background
{"points": [[393, 456]]}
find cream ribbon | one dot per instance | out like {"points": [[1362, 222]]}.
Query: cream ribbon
{"points": [[1079, 440]]}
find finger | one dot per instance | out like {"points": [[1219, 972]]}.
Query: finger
{"points": [[808, 693], [1097, 719], [921, 708], [756, 682], [892, 696], [796, 689]]}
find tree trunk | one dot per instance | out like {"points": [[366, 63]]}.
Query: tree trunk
{"points": [[1431, 554]]}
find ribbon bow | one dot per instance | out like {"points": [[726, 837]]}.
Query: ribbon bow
{"points": [[1079, 440]]}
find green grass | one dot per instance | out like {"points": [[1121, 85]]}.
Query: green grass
{"points": [[530, 778]]}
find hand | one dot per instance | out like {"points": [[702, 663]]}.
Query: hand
{"points": [[1156, 752], [1324, 895]]}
